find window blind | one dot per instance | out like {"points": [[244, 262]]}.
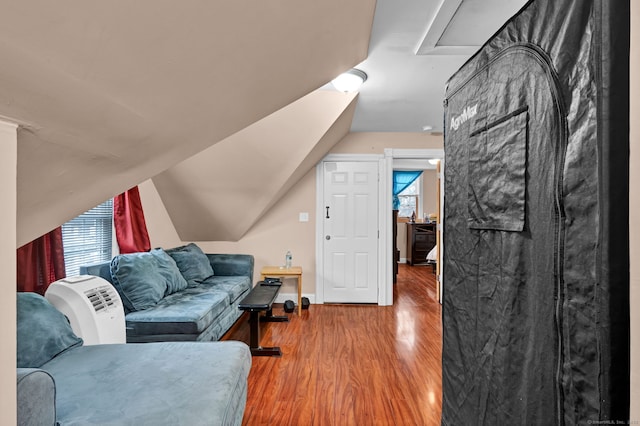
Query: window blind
{"points": [[88, 238]]}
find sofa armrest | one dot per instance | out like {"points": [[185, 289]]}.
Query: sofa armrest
{"points": [[36, 397], [102, 269], [232, 264]]}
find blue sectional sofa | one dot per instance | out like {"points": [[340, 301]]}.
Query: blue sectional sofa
{"points": [[166, 383], [179, 294]]}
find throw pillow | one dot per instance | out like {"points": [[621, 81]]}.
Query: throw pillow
{"points": [[192, 262], [138, 279], [169, 270], [43, 331]]}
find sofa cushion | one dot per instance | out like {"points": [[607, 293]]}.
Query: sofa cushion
{"points": [[188, 312], [169, 270], [43, 332], [138, 279], [233, 286], [192, 262], [168, 383]]}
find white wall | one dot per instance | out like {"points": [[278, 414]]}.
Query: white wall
{"points": [[8, 162]]}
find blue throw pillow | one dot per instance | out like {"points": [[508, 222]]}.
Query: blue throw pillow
{"points": [[192, 262], [138, 279], [43, 331], [169, 270]]}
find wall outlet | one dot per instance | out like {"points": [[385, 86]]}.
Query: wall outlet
{"points": [[304, 217]]}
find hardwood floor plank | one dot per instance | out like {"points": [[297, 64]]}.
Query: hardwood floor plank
{"points": [[352, 364]]}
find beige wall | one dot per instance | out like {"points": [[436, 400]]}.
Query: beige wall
{"points": [[429, 191], [8, 162], [278, 231], [634, 208], [161, 231], [375, 143]]}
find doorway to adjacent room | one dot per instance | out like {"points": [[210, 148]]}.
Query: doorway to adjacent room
{"points": [[416, 189]]}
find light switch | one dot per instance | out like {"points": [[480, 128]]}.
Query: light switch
{"points": [[304, 217]]}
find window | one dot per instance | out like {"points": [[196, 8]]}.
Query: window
{"points": [[409, 200], [88, 238]]}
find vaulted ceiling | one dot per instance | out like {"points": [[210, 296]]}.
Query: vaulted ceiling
{"points": [[218, 102], [109, 94]]}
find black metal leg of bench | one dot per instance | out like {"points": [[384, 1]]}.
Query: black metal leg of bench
{"points": [[269, 317], [254, 338]]}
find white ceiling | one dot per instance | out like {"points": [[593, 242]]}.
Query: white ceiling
{"points": [[415, 46]]}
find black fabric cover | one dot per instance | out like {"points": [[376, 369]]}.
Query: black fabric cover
{"points": [[536, 265]]}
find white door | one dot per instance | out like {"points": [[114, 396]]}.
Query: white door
{"points": [[350, 228]]}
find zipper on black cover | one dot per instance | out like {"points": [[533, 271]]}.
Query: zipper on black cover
{"points": [[498, 121]]}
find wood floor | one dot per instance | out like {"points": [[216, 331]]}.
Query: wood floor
{"points": [[352, 364]]}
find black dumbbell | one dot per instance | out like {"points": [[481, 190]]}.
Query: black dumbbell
{"points": [[289, 306]]}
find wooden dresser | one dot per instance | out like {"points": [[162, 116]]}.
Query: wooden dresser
{"points": [[421, 238]]}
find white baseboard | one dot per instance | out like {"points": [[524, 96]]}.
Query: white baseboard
{"points": [[282, 297]]}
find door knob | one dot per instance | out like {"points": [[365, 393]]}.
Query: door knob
{"points": [[328, 237]]}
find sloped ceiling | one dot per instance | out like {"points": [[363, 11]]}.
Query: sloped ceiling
{"points": [[221, 192], [109, 94]]}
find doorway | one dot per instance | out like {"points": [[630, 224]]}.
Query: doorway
{"points": [[383, 215], [406, 159], [350, 229], [337, 279]]}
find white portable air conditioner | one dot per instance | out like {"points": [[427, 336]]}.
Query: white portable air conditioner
{"points": [[93, 306]]}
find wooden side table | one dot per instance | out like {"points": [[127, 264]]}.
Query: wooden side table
{"points": [[282, 272]]}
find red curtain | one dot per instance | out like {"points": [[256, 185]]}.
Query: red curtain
{"points": [[40, 262], [128, 220]]}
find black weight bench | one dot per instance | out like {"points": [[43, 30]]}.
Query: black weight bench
{"points": [[259, 299]]}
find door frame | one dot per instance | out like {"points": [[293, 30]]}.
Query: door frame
{"points": [[334, 158], [385, 205], [386, 257]]}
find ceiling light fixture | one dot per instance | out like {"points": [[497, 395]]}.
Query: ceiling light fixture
{"points": [[349, 81]]}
